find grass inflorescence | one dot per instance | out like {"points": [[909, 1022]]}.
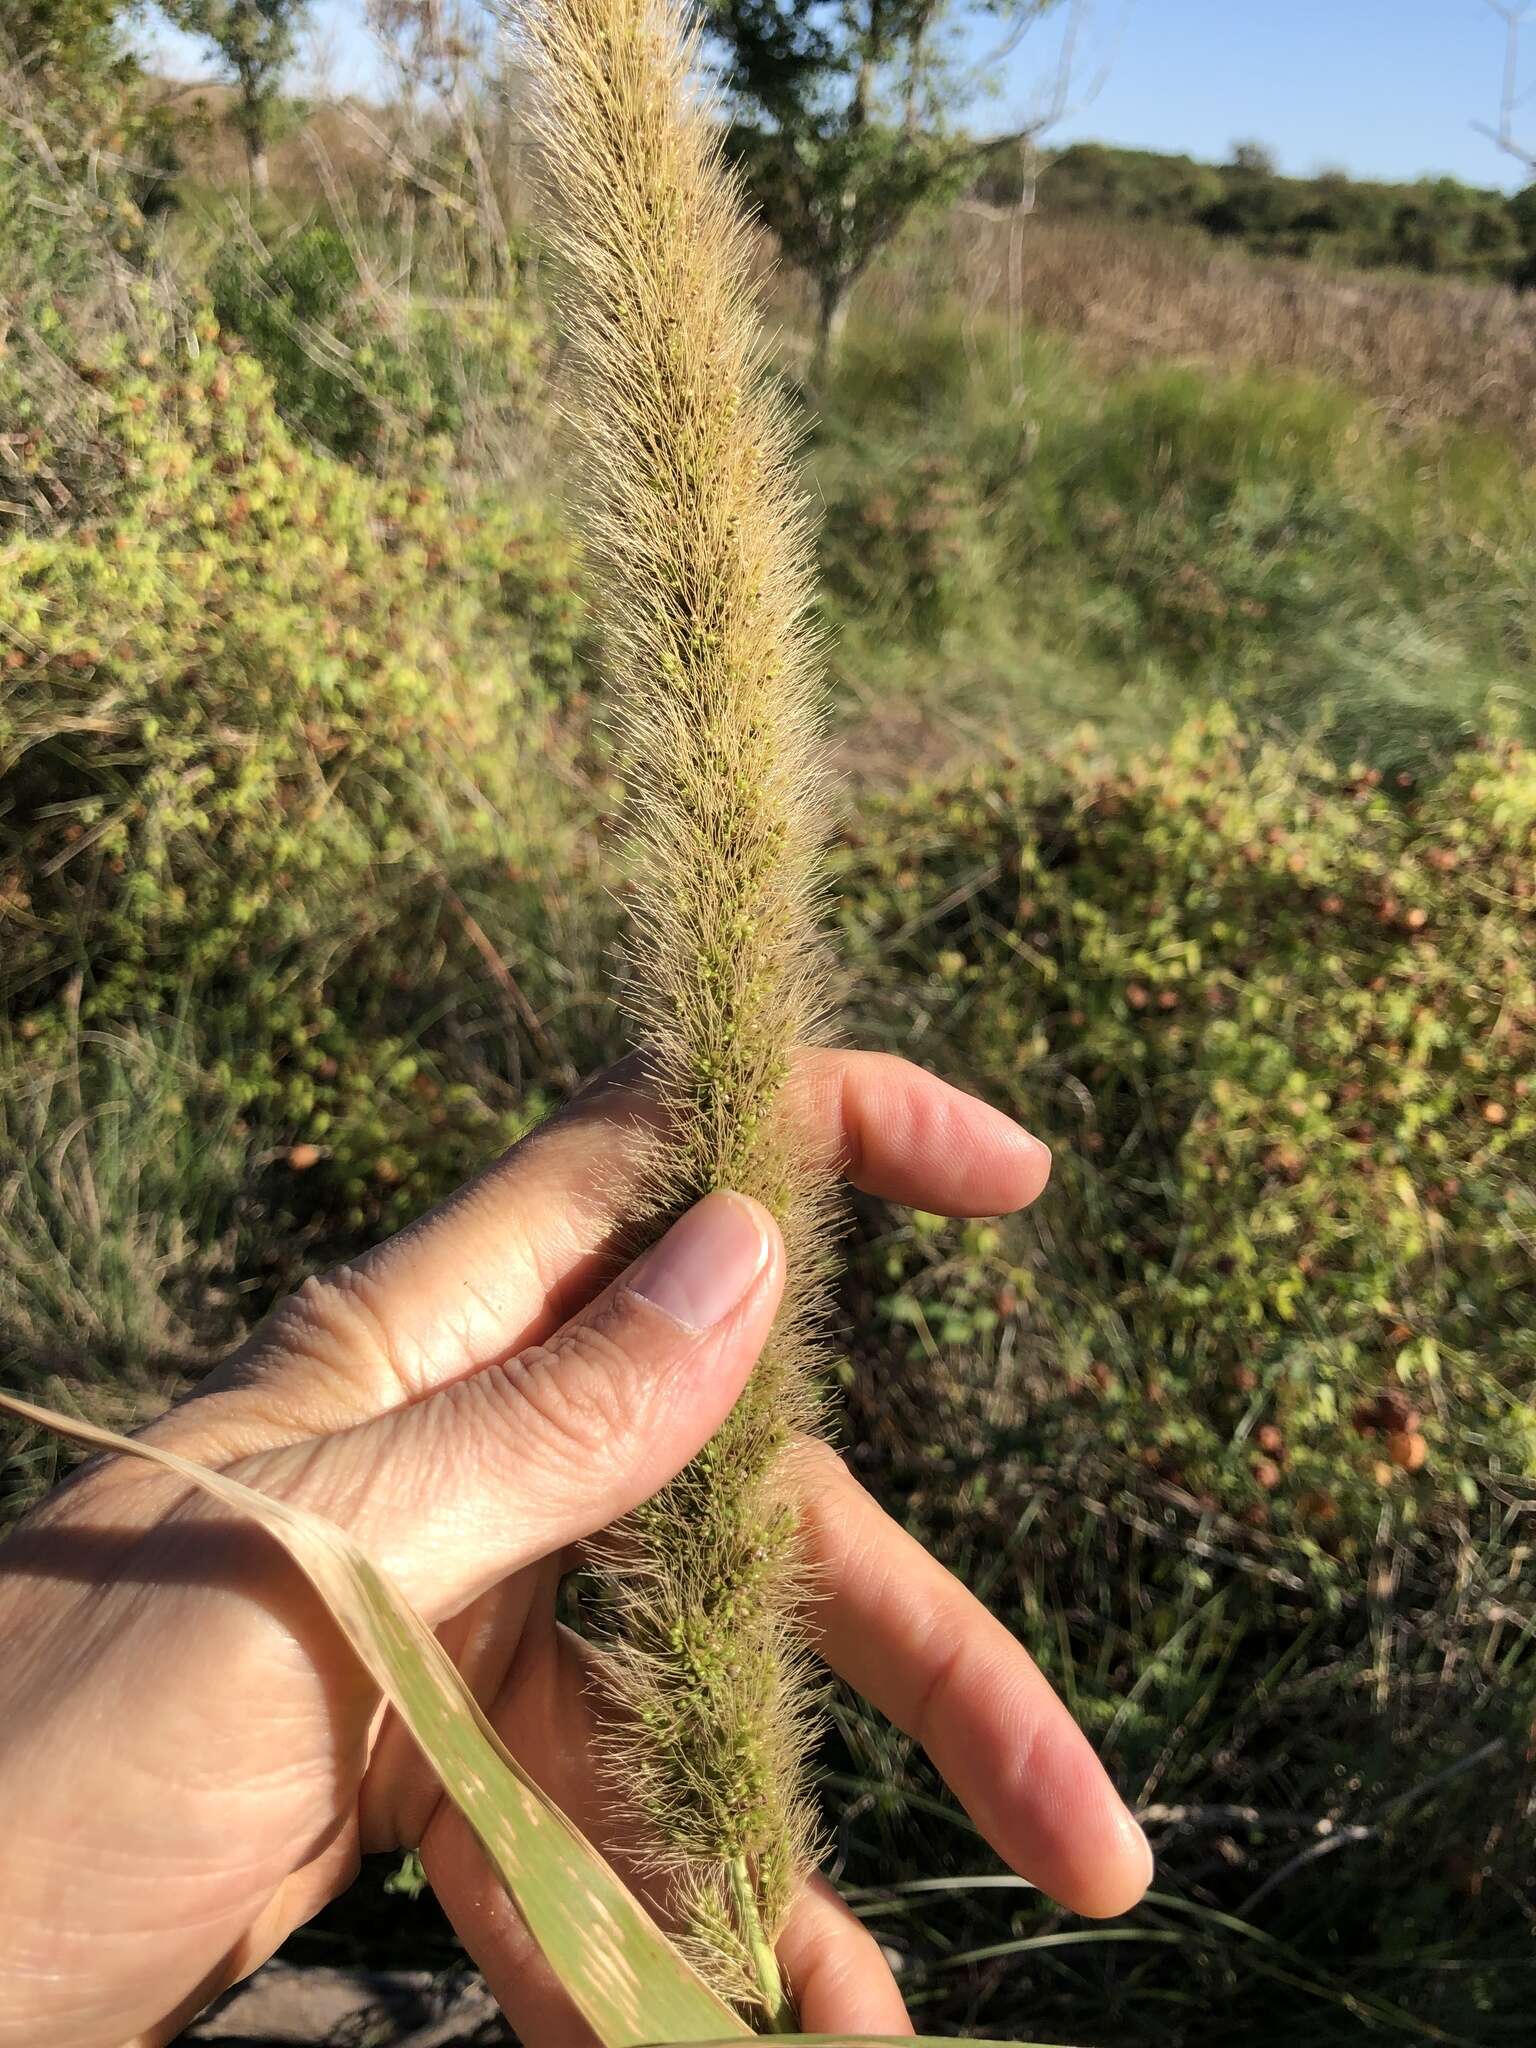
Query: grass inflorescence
{"points": [[701, 555]]}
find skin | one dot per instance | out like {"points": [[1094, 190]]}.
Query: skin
{"points": [[190, 1761]]}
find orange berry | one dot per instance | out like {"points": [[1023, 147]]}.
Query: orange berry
{"points": [[1406, 1448]]}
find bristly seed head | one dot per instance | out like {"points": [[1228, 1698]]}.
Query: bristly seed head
{"points": [[700, 547]]}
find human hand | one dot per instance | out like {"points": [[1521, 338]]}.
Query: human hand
{"points": [[192, 1762]]}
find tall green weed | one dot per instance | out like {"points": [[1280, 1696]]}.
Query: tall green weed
{"points": [[1176, 536]]}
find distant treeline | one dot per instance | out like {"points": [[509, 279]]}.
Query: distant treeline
{"points": [[1438, 225]]}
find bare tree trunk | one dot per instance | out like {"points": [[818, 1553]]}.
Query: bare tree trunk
{"points": [[858, 112], [864, 77], [831, 318], [257, 160]]}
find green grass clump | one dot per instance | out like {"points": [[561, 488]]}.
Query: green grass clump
{"points": [[117, 1213], [1062, 543]]}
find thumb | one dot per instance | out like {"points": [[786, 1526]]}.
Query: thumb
{"points": [[550, 1445]]}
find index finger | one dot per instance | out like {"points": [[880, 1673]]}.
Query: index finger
{"points": [[903, 1134]]}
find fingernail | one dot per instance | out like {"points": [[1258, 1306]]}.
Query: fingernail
{"points": [[705, 1263]]}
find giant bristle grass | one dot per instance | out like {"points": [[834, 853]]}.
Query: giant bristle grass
{"points": [[700, 552]]}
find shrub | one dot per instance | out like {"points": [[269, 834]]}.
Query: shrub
{"points": [[1282, 1021], [1236, 1431], [256, 735], [1435, 225], [910, 544], [362, 374]]}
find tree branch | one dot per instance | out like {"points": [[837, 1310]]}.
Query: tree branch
{"points": [[1514, 14]]}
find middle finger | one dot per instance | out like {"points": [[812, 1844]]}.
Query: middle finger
{"points": [[906, 1634]]}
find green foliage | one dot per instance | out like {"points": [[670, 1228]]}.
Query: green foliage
{"points": [[909, 538], [1244, 537], [58, 258], [1281, 1021], [1522, 209], [297, 311], [281, 733], [364, 377], [256, 41], [838, 125], [72, 50], [1236, 1432], [73, 95], [1094, 179], [253, 728], [1436, 225], [835, 191]]}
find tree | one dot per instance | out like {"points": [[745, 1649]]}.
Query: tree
{"points": [[431, 45], [440, 129], [256, 40], [1515, 14], [838, 120]]}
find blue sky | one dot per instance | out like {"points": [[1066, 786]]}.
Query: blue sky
{"points": [[1380, 88], [1383, 88]]}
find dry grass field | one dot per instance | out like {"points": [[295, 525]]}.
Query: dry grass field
{"points": [[1424, 349]]}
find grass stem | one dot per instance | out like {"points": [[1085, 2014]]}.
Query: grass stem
{"points": [[778, 2013]]}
